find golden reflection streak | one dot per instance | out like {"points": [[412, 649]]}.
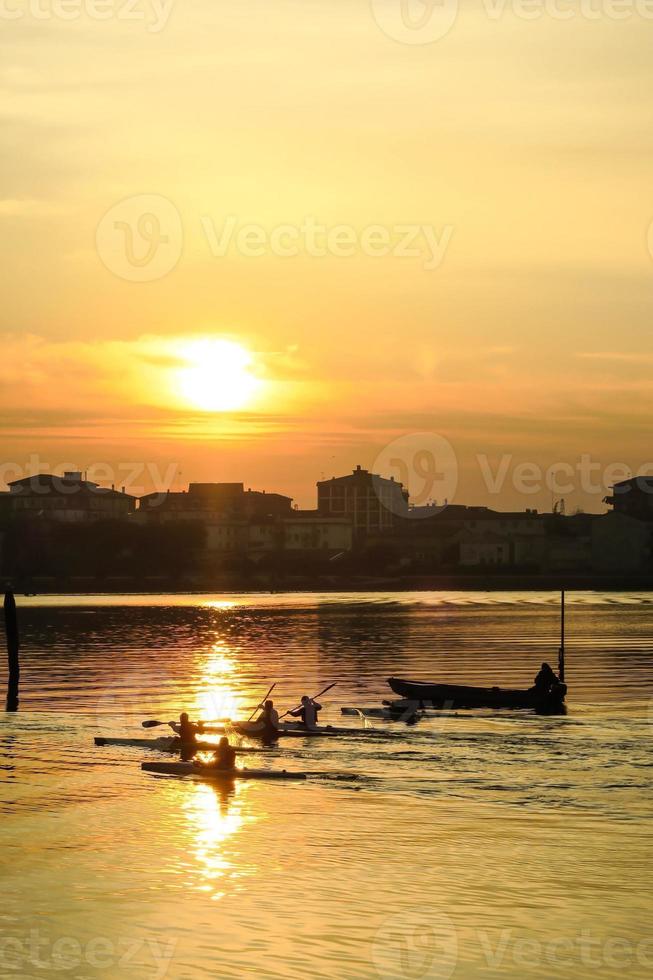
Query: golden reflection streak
{"points": [[216, 699], [215, 815]]}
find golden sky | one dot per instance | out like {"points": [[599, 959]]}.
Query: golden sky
{"points": [[223, 189]]}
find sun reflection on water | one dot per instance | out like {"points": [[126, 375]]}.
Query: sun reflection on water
{"points": [[216, 699], [215, 815]]}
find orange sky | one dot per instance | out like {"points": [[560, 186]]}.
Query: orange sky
{"points": [[510, 158]]}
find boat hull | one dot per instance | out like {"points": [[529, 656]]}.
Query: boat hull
{"points": [[164, 744], [250, 730], [460, 696], [205, 772]]}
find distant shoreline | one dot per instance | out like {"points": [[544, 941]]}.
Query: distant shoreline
{"points": [[439, 583]]}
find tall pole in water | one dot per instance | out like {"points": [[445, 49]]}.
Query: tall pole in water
{"points": [[561, 652], [13, 643]]}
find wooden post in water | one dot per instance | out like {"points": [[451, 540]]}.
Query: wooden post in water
{"points": [[13, 643], [561, 652]]}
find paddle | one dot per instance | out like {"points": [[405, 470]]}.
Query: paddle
{"points": [[312, 699], [262, 702], [156, 724]]}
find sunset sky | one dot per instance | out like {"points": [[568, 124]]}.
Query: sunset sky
{"points": [[521, 324]]}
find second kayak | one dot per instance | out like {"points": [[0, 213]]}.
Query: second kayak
{"points": [[253, 730], [166, 743], [206, 772]]}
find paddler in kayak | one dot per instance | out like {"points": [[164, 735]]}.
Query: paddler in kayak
{"points": [[187, 731], [268, 721], [307, 712], [224, 757]]}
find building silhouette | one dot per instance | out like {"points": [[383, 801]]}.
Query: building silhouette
{"points": [[70, 498], [362, 524], [215, 501], [372, 503], [633, 498], [242, 521]]}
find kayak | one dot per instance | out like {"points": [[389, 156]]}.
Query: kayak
{"points": [[460, 696], [166, 743], [205, 772], [252, 730]]}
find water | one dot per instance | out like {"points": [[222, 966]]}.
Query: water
{"points": [[489, 844]]}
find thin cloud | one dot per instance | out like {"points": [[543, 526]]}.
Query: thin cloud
{"points": [[625, 357]]}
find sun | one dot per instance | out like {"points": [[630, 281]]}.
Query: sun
{"points": [[217, 375]]}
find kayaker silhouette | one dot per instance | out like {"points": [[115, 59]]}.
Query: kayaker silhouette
{"points": [[269, 718], [187, 731], [224, 757], [307, 712]]}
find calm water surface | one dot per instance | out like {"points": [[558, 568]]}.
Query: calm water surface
{"points": [[475, 844]]}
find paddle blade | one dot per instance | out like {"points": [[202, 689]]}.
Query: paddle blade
{"points": [[153, 724]]}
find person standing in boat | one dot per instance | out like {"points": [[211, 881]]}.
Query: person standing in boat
{"points": [[546, 678], [308, 712]]}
